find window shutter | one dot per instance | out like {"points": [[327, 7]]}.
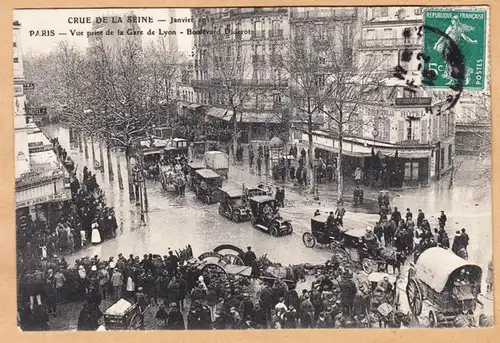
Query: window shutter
{"points": [[423, 131], [401, 131], [433, 128]]}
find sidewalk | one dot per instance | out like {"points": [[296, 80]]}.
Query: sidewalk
{"points": [[327, 192]]}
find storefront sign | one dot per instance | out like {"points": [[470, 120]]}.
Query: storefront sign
{"points": [[323, 141], [413, 114], [413, 101], [40, 200]]}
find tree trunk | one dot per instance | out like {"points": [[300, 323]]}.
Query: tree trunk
{"points": [[119, 171], [340, 174], [110, 163], [310, 157], [80, 143], [101, 153], [131, 192], [235, 134], [86, 148], [92, 148]]}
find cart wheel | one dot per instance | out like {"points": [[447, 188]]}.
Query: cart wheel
{"points": [[220, 211], [273, 230], [206, 199], [433, 321], [341, 254], [415, 297], [235, 259], [235, 218], [309, 240], [289, 228], [367, 265]]}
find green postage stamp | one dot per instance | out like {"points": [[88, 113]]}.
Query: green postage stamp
{"points": [[467, 29]]}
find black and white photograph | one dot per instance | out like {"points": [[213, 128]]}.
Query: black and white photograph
{"points": [[253, 168]]}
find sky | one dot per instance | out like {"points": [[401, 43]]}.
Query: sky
{"points": [[58, 20]]}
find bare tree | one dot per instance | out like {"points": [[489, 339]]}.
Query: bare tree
{"points": [[233, 74], [349, 84], [307, 91]]}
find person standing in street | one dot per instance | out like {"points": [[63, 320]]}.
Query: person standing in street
{"points": [[250, 155], [259, 164], [117, 282], [442, 220], [408, 215], [420, 218]]}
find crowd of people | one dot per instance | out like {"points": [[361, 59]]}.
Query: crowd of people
{"points": [[186, 297], [83, 220]]}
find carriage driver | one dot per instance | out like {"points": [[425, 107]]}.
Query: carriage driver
{"points": [[371, 242]]}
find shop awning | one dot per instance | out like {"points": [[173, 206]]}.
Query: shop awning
{"points": [[219, 113], [194, 106], [184, 104], [358, 147], [260, 117]]}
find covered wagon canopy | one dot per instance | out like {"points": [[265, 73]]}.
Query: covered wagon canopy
{"points": [[435, 266], [322, 218]]}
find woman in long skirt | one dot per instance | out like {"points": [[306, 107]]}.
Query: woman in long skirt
{"points": [[96, 236]]}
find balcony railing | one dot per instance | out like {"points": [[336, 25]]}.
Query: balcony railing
{"points": [[390, 42], [276, 33], [258, 34], [247, 82], [334, 14]]}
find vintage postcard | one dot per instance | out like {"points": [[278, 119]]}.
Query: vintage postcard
{"points": [[253, 168]]}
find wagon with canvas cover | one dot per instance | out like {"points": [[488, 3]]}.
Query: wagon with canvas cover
{"points": [[447, 283], [123, 315]]}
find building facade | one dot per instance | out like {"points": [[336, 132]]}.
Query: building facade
{"points": [[244, 51], [40, 177]]}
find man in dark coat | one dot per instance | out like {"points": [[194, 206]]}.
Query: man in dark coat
{"points": [[89, 317], [249, 257], [173, 263], [175, 319], [408, 215], [266, 300], [396, 215], [420, 218], [442, 220]]}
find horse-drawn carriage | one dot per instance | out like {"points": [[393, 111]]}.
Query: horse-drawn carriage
{"points": [[349, 246], [123, 315], [232, 204], [205, 182], [265, 216], [384, 300], [171, 180], [446, 282]]}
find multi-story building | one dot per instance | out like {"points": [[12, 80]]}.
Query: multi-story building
{"points": [[390, 37], [247, 43], [411, 130], [40, 185]]}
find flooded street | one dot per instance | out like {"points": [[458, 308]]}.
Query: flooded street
{"points": [[174, 222]]}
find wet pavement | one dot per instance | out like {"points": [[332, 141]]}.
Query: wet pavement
{"points": [[173, 221]]}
